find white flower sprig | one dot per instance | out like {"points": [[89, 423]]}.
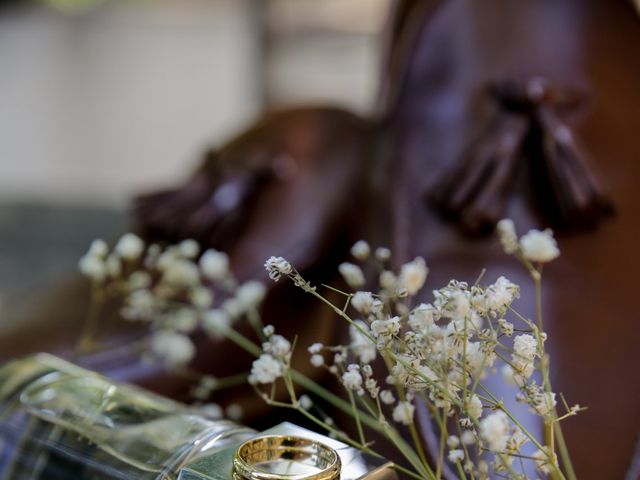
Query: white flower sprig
{"points": [[441, 353]]}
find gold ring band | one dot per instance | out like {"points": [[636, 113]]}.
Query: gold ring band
{"points": [[285, 457]]}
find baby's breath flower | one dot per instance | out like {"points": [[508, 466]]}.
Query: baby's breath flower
{"points": [[201, 297], [98, 248], [387, 397], [174, 349], [216, 322], [277, 345], [250, 294], [214, 265], [276, 267], [234, 411], [266, 369], [507, 235], [139, 279], [403, 413], [383, 254], [92, 267], [361, 346], [505, 327], [468, 438], [456, 455], [453, 441], [268, 330], [372, 387], [362, 302], [539, 246], [315, 348], [183, 320], [352, 274], [525, 346], [181, 273], [189, 248], [543, 462], [494, 429], [305, 402], [352, 379], [413, 275], [543, 403], [385, 328], [212, 410], [361, 250], [501, 294], [422, 317], [317, 360], [388, 281], [129, 247], [474, 407]]}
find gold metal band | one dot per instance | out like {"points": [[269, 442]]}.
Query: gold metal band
{"points": [[287, 458]]}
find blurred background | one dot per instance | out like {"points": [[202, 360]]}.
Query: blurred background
{"points": [[105, 99]]}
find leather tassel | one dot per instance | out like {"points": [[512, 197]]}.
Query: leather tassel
{"points": [[475, 191]]}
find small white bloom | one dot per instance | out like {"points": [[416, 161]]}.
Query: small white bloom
{"points": [[474, 407], [361, 346], [468, 438], [456, 455], [387, 397], [413, 275], [214, 265], [268, 330], [277, 345], [234, 411], [539, 246], [525, 346], [544, 403], [506, 327], [212, 410], [92, 267], [388, 281], [276, 267], [422, 317], [507, 235], [315, 348], [175, 349], [181, 273], [266, 369], [184, 320], [494, 429], [453, 441], [352, 379], [98, 248], [201, 297], [403, 413], [383, 254], [543, 461], [216, 322], [251, 294], [129, 247], [139, 279], [352, 274], [362, 302], [385, 328], [317, 360], [189, 248], [361, 250], [305, 402], [501, 294]]}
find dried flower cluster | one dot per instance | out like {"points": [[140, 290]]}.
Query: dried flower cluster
{"points": [[441, 353], [172, 290]]}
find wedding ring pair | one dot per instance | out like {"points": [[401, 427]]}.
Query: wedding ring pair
{"points": [[286, 458]]}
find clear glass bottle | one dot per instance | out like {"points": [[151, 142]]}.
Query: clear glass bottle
{"points": [[57, 418]]}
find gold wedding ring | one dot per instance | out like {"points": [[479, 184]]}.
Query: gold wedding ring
{"points": [[285, 457]]}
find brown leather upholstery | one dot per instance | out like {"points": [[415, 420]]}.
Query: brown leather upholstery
{"points": [[437, 109]]}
